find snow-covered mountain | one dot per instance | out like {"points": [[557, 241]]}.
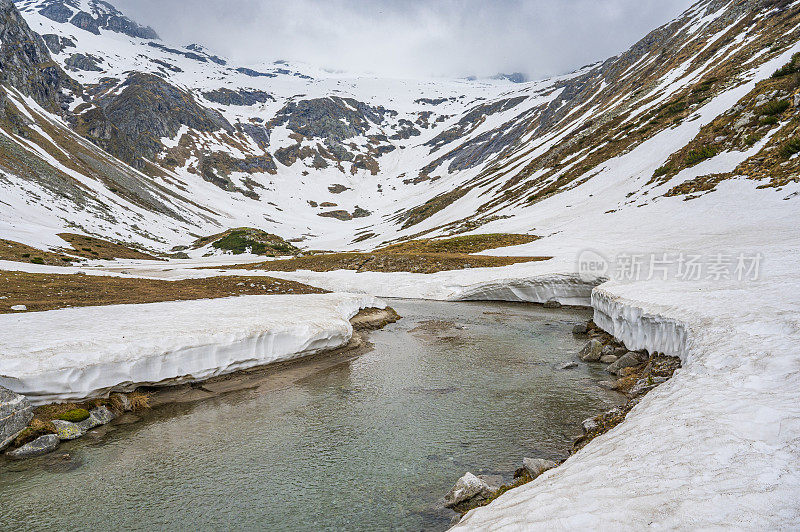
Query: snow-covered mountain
{"points": [[128, 137]]}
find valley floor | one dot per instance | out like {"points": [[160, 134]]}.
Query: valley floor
{"points": [[716, 446]]}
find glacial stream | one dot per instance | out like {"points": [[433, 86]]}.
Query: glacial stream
{"points": [[372, 442]]}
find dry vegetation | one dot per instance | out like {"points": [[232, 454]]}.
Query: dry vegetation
{"points": [[459, 244], [93, 248], [387, 262], [82, 247], [47, 292]]}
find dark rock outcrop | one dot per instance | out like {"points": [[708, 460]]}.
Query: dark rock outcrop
{"points": [[130, 122], [84, 62], [15, 414], [238, 97], [56, 43], [25, 62]]}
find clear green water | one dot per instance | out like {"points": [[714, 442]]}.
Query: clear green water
{"points": [[369, 444]]}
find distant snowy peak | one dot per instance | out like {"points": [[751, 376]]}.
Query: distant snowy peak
{"points": [[90, 15]]}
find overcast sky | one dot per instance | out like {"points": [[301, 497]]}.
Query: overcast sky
{"points": [[415, 38]]}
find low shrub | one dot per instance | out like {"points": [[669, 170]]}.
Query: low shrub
{"points": [[662, 170], [700, 154], [791, 147], [774, 107], [789, 68]]}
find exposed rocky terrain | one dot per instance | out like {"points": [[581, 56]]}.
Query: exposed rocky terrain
{"points": [[192, 143]]}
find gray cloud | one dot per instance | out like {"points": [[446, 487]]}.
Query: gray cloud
{"points": [[411, 37]]}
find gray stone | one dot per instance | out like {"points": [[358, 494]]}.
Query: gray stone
{"points": [[67, 430], [39, 446], [619, 351], [609, 385], [796, 100], [592, 351], [608, 349], [627, 360], [569, 365], [608, 359], [552, 303], [97, 416], [493, 481], [580, 329], [101, 415], [467, 488], [643, 386], [589, 425], [537, 466], [15, 414]]}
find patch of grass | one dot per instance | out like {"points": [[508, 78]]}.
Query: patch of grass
{"points": [[768, 121], [459, 244], [700, 154], [75, 415], [37, 260], [790, 147], [139, 401], [249, 240], [91, 247], [774, 108], [387, 262], [662, 170], [49, 291]]}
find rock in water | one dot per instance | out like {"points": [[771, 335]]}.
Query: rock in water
{"points": [[537, 466], [589, 425], [468, 492], [552, 303], [592, 351], [627, 360], [67, 430], [608, 359], [39, 446], [580, 329], [100, 416], [15, 414]]}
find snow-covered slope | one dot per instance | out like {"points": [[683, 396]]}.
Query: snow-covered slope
{"points": [[341, 160]]}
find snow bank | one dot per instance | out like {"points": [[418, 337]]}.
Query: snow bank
{"points": [[75, 353], [717, 446]]}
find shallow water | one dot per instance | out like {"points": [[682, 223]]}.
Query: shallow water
{"points": [[370, 443]]}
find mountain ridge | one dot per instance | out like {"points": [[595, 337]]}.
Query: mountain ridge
{"points": [[218, 145]]}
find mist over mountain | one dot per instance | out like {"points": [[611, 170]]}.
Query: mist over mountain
{"points": [[414, 37]]}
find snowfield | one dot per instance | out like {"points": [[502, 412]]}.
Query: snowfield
{"points": [[73, 353]]}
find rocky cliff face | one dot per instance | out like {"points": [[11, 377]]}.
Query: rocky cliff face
{"points": [[25, 62], [101, 15]]}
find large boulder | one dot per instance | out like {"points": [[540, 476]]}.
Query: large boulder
{"points": [[67, 430], [592, 351], [537, 466], [627, 360], [15, 414], [39, 446], [468, 492]]}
